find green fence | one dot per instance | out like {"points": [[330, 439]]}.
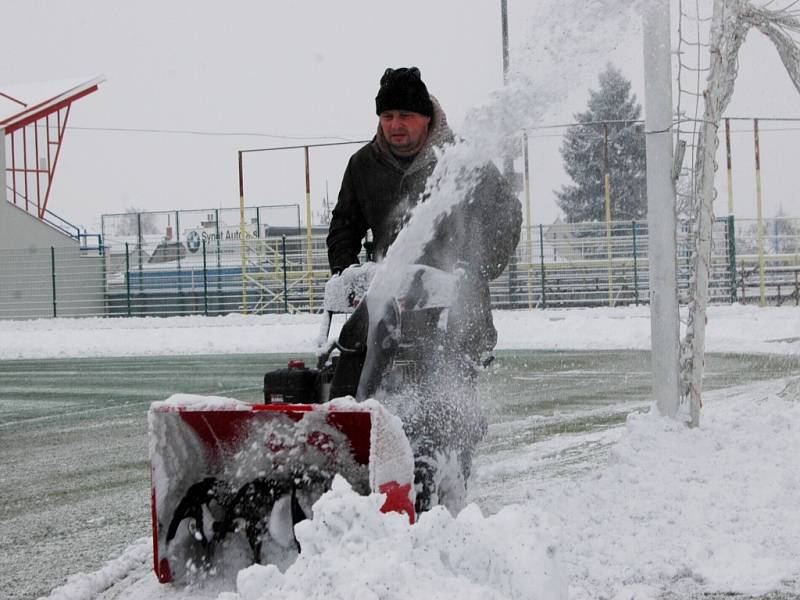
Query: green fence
{"points": [[559, 265]]}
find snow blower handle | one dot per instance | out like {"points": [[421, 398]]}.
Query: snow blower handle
{"points": [[344, 291]]}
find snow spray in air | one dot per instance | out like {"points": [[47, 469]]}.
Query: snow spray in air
{"points": [[569, 42], [561, 54]]}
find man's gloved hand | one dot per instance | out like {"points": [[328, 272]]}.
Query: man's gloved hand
{"points": [[346, 287]]}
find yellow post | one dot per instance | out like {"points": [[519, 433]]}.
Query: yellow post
{"points": [[528, 218], [242, 229], [730, 166], [760, 220], [607, 185], [309, 238]]}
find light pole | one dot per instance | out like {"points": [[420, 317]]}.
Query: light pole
{"points": [[508, 161], [504, 27]]}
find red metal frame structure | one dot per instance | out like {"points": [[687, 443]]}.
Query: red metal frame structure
{"points": [[33, 154]]}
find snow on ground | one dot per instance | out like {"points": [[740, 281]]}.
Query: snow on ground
{"points": [[712, 509], [730, 329], [709, 509]]}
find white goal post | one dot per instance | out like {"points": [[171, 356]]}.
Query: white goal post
{"points": [[661, 208], [678, 366]]}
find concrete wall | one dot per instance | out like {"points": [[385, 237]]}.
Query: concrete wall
{"points": [[27, 278], [21, 230]]}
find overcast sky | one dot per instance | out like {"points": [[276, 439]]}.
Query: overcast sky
{"points": [[305, 71]]}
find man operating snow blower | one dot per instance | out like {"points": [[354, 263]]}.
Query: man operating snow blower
{"points": [[231, 480], [383, 182]]}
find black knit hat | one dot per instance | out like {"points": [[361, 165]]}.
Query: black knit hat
{"points": [[403, 89]]}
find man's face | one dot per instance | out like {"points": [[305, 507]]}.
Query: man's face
{"points": [[405, 131]]}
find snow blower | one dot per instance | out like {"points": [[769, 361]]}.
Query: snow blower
{"points": [[230, 479]]}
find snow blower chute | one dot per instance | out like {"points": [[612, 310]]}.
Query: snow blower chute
{"points": [[230, 479]]}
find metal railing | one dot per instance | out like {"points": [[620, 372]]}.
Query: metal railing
{"points": [[768, 261], [59, 223], [560, 265]]}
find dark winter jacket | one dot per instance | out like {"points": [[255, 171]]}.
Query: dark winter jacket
{"points": [[479, 235]]}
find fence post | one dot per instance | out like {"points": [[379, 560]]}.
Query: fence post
{"points": [[731, 232], [635, 267], [285, 285], [53, 277], [762, 301], [128, 276], [106, 262], [541, 263], [607, 189], [205, 281], [140, 250], [528, 246], [309, 240], [178, 246], [729, 164], [512, 278], [742, 278], [139, 229], [219, 258]]}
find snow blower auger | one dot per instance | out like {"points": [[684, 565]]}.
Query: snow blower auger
{"points": [[230, 479]]}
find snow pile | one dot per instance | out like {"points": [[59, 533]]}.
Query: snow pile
{"points": [[154, 336], [353, 552], [88, 585], [713, 508], [731, 328], [734, 328]]}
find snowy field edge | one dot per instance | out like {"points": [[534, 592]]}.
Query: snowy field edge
{"points": [[734, 328]]}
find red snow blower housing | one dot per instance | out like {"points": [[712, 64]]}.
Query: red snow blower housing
{"points": [[230, 479]]}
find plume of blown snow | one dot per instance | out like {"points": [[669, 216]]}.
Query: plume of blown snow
{"points": [[567, 45]]}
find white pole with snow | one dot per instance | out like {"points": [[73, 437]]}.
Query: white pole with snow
{"points": [[661, 217]]}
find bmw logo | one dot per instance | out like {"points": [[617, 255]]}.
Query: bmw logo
{"points": [[193, 241]]}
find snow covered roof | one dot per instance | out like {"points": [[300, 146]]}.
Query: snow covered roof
{"points": [[21, 104]]}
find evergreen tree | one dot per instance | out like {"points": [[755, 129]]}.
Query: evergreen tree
{"points": [[583, 149]]}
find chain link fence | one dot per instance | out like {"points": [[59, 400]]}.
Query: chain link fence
{"points": [[217, 271]]}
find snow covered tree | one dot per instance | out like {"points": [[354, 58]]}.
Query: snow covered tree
{"points": [[584, 148]]}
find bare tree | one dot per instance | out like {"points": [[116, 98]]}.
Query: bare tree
{"points": [[136, 222]]}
